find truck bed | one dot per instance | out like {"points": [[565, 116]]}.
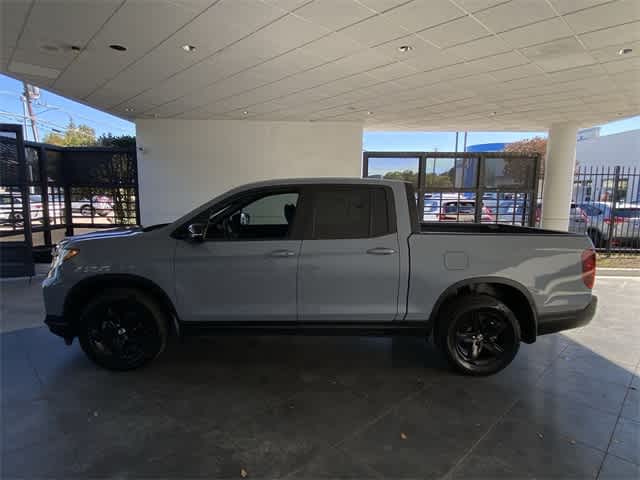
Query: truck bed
{"points": [[486, 228]]}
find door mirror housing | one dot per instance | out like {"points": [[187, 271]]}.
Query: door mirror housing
{"points": [[196, 232]]}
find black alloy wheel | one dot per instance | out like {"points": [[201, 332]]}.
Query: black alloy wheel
{"points": [[122, 329], [482, 335]]}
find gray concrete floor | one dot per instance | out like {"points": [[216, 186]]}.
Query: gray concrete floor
{"points": [[321, 407]]}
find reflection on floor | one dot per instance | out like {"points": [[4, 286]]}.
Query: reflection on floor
{"points": [[323, 407]]}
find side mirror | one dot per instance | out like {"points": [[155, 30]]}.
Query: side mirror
{"points": [[245, 218], [196, 232]]}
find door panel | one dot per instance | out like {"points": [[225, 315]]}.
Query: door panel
{"points": [[237, 280], [349, 279]]}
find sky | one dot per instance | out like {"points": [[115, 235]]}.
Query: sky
{"points": [[55, 111]]}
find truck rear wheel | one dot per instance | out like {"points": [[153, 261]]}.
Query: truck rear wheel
{"points": [[122, 329], [478, 334]]}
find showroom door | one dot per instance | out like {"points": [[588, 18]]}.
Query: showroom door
{"points": [[245, 268], [349, 263]]}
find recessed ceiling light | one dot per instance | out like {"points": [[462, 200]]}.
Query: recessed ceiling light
{"points": [[245, 113], [188, 48], [128, 109], [405, 48], [119, 48], [369, 113], [624, 51], [493, 114]]}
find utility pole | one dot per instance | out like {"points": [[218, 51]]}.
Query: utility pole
{"points": [[31, 93]]}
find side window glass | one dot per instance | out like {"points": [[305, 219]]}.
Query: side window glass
{"points": [[269, 217], [351, 213], [341, 213]]}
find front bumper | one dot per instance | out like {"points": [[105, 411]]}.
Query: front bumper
{"points": [[61, 327], [567, 320]]}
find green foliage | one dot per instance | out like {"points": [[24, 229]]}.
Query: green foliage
{"points": [[80, 136], [433, 180], [405, 175], [85, 136], [120, 141]]}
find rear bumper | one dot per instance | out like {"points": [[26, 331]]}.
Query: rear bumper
{"points": [[59, 326], [567, 320]]}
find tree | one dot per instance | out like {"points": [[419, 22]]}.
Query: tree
{"points": [[120, 141], [529, 145], [80, 136], [405, 175]]}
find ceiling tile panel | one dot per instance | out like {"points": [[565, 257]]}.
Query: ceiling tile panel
{"points": [[558, 55], [334, 14], [461, 30], [473, 6], [136, 27], [374, 31], [381, 5], [607, 15], [520, 71], [629, 32], [567, 6], [332, 47], [419, 15], [540, 32], [515, 13], [479, 48]]}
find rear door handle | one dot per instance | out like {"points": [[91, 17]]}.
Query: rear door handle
{"points": [[381, 251], [282, 253]]}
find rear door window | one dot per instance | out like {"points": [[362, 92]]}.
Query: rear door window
{"points": [[341, 213]]}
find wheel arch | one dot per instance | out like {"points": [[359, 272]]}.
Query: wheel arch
{"points": [[87, 287], [512, 293]]}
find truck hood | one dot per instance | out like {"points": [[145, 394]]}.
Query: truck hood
{"points": [[101, 235]]}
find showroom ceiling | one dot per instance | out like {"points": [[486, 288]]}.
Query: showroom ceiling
{"points": [[393, 64]]}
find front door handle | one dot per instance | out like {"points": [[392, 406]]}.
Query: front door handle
{"points": [[381, 251], [282, 253]]}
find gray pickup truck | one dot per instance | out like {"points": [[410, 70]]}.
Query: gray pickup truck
{"points": [[319, 256]]}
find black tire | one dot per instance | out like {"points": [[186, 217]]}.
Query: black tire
{"points": [[107, 322], [478, 334], [87, 211]]}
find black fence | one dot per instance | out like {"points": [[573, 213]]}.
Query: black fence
{"points": [[605, 203], [64, 191], [448, 183], [606, 207]]}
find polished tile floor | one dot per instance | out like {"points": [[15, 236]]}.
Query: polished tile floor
{"points": [[318, 407]]}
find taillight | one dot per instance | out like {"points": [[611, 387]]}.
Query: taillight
{"points": [[589, 268], [615, 220]]}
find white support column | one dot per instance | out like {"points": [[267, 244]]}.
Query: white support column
{"points": [[558, 176]]}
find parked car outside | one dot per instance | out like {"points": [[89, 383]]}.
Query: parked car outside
{"points": [[627, 225], [11, 209], [454, 210]]}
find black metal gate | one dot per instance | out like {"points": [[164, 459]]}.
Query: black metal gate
{"points": [[64, 191], [16, 258]]}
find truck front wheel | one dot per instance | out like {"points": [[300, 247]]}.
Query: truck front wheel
{"points": [[122, 329], [478, 334]]}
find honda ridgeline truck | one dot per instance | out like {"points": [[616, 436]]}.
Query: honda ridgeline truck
{"points": [[319, 256]]}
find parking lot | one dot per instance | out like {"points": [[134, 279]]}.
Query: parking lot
{"points": [[323, 407]]}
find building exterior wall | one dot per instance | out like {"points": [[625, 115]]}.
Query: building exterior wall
{"points": [[184, 163], [621, 149]]}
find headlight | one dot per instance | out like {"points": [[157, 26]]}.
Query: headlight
{"points": [[61, 255], [68, 254]]}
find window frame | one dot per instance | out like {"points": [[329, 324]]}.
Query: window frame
{"points": [[219, 209]]}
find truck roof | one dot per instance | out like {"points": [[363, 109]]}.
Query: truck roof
{"points": [[318, 181]]}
